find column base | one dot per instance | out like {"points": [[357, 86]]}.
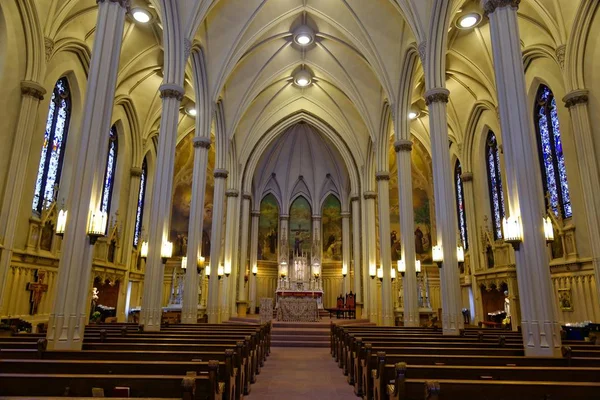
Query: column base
{"points": [[242, 307], [358, 310]]}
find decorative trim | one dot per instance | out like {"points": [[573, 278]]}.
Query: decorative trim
{"points": [[437, 95], [122, 3], [560, 55], [232, 193], [316, 217], [33, 89], [171, 91], [48, 48], [255, 213], [355, 198], [201, 142], [135, 171], [345, 215], [489, 6], [382, 176], [576, 97], [247, 196], [403, 145], [221, 173], [466, 177], [369, 195], [284, 217]]}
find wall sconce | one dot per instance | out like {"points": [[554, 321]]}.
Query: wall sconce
{"points": [[316, 270], [207, 271], [513, 231], [438, 255], [393, 274], [61, 223], [166, 251], [220, 271], [548, 230], [372, 271], [227, 269], [184, 262], [418, 267], [200, 264], [144, 250], [97, 226], [254, 270], [380, 274], [344, 271], [460, 254], [401, 267]]}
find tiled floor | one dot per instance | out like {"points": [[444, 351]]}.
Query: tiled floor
{"points": [[301, 373]]}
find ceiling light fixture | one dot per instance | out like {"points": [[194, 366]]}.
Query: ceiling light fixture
{"points": [[141, 15], [191, 111], [303, 35], [412, 115], [467, 21], [302, 78]]}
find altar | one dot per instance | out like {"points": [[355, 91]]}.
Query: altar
{"points": [[297, 309], [299, 282]]}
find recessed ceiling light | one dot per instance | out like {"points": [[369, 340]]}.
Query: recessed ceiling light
{"points": [[468, 20], [412, 115], [141, 15], [302, 78], [303, 35], [191, 111]]}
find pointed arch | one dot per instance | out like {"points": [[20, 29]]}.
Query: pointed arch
{"points": [[460, 205]]}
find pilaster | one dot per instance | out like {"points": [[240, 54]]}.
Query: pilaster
{"points": [[356, 253], [383, 195], [253, 260], [346, 251], [371, 253], [228, 296], [242, 302], [215, 245]]}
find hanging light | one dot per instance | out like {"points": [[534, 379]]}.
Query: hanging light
{"points": [[61, 223], [144, 250], [184, 262], [344, 270], [513, 231], [548, 230], [97, 226], [401, 267], [418, 266], [460, 254], [437, 255], [220, 271], [380, 274], [166, 251], [254, 270]]}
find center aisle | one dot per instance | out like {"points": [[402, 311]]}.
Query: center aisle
{"points": [[300, 373]]}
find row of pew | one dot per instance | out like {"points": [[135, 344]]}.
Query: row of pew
{"points": [[415, 363], [193, 362]]}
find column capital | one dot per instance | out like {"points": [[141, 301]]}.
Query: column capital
{"points": [[136, 171], [467, 177], [221, 174], [232, 193], [369, 195], [403, 145], [246, 196], [284, 217], [200, 142], [382, 176], [437, 95], [345, 215], [355, 197], [33, 89], [122, 3], [255, 213], [489, 6], [576, 97], [170, 90]]}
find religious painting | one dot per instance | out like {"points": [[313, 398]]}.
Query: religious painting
{"points": [[331, 222], [564, 299], [300, 227], [268, 228], [182, 197]]}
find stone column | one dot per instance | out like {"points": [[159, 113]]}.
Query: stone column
{"points": [[189, 309], [32, 94], [539, 322], [242, 302], [445, 211], [69, 314], [356, 254], [132, 202], [577, 103], [385, 251], [407, 227], [215, 245], [283, 241], [346, 250], [317, 239], [253, 260], [230, 262], [371, 250]]}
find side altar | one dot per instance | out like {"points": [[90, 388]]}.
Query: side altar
{"points": [[301, 281]]}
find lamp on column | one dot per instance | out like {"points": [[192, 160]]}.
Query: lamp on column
{"points": [[254, 270], [548, 229], [380, 274], [97, 225], [401, 267], [200, 264], [227, 269], [393, 274], [344, 270], [220, 271], [207, 271], [61, 223], [144, 250], [372, 271], [418, 267], [184, 262], [460, 254], [513, 231], [166, 251], [438, 255]]}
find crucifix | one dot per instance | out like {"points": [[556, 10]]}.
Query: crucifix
{"points": [[37, 289], [298, 241]]}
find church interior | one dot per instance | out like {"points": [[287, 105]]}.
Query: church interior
{"points": [[193, 191]]}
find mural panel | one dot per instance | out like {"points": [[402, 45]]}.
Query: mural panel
{"points": [[300, 227], [268, 226], [182, 197], [331, 220]]}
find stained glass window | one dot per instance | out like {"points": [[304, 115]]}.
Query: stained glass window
{"points": [[53, 149], [460, 205], [139, 214], [109, 174], [554, 171], [492, 153]]}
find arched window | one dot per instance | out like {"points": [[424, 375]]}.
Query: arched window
{"points": [[139, 214], [53, 150], [552, 158], [492, 154], [460, 205], [109, 174]]}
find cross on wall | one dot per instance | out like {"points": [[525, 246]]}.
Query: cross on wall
{"points": [[37, 289]]}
